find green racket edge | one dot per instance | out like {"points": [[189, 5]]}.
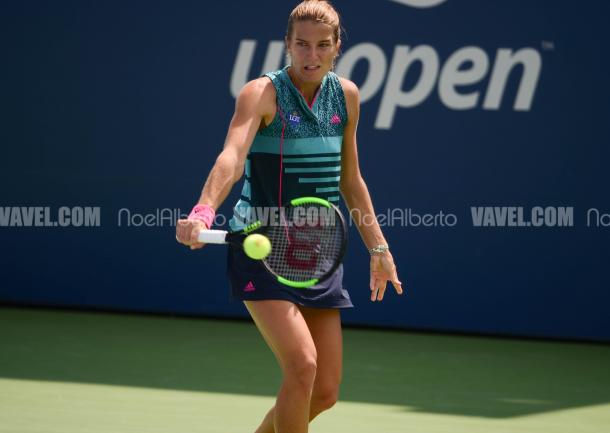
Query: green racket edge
{"points": [[251, 227], [304, 200], [297, 284]]}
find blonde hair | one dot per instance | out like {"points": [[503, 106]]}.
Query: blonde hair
{"points": [[319, 11]]}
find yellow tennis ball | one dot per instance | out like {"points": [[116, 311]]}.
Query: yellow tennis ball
{"points": [[257, 246]]}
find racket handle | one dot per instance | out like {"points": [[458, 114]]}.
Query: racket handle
{"points": [[212, 236]]}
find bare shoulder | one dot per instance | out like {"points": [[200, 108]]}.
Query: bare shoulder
{"points": [[352, 100], [352, 94], [258, 93]]}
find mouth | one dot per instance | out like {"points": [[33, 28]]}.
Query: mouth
{"points": [[312, 67]]}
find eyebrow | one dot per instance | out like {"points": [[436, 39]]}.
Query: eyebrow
{"points": [[303, 40]]}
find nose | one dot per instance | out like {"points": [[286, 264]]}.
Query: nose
{"points": [[313, 53]]}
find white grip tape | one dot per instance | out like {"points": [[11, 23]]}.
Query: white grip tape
{"points": [[212, 236]]}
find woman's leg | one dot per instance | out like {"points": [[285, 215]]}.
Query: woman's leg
{"points": [[282, 325], [324, 326]]}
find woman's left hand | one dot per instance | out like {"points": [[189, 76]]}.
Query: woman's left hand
{"points": [[383, 270]]}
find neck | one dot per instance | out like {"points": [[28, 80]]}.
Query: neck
{"points": [[308, 90]]}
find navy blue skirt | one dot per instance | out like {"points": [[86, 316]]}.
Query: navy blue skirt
{"points": [[250, 281]]}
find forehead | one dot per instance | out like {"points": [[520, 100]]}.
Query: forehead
{"points": [[312, 31]]}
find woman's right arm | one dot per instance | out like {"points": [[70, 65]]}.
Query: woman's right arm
{"points": [[255, 102]]}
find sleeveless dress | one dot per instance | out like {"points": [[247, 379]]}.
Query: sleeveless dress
{"points": [[306, 141]]}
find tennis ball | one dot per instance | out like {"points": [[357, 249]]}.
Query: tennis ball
{"points": [[257, 246]]}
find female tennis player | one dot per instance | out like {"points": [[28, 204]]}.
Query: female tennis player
{"points": [[301, 120]]}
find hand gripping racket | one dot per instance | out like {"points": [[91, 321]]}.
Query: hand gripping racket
{"points": [[308, 241]]}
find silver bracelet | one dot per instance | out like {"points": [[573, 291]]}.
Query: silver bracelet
{"points": [[379, 249]]}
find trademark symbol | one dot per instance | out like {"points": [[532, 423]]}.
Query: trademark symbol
{"points": [[548, 45]]}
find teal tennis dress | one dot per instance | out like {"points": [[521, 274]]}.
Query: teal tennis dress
{"points": [[306, 141]]}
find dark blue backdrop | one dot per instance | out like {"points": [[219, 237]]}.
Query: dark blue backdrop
{"points": [[124, 105]]}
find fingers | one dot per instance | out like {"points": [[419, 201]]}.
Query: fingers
{"points": [[194, 239], [397, 285], [395, 281], [381, 289], [181, 227], [373, 287], [187, 233], [378, 287]]}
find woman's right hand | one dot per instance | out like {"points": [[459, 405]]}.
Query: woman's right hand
{"points": [[187, 232]]}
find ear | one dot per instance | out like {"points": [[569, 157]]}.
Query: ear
{"points": [[338, 46], [287, 54]]}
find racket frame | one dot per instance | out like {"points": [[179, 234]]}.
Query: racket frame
{"points": [[237, 238], [313, 281]]}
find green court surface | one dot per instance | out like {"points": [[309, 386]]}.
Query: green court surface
{"points": [[72, 372]]}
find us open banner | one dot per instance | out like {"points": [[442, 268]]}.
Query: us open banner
{"points": [[483, 139]]}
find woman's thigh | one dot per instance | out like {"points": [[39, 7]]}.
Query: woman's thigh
{"points": [[285, 330], [325, 328]]}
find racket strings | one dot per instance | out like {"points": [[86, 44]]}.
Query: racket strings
{"points": [[301, 252]]}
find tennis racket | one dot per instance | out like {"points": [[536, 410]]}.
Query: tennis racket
{"points": [[308, 241]]}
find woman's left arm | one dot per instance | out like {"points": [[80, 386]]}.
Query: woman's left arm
{"points": [[356, 195]]}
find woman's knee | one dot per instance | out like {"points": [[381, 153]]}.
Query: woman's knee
{"points": [[301, 369], [323, 398]]}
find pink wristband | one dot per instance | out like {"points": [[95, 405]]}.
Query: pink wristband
{"points": [[203, 212]]}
